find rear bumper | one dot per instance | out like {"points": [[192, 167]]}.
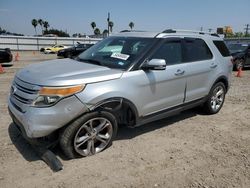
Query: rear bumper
{"points": [[41, 122]]}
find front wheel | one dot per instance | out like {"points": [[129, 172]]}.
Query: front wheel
{"points": [[88, 135], [215, 99]]}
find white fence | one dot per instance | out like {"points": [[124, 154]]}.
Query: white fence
{"points": [[36, 43]]}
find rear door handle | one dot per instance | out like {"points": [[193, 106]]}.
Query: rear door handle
{"points": [[213, 66], [179, 72]]}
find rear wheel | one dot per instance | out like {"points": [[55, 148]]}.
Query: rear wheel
{"points": [[215, 99], [88, 135]]}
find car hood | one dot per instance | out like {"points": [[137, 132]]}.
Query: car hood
{"points": [[66, 72]]}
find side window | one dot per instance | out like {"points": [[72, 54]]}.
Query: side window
{"points": [[220, 45], [196, 50], [170, 51]]}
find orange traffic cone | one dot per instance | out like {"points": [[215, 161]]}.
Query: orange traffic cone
{"points": [[1, 69], [239, 73]]}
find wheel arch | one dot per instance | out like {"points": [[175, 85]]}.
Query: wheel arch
{"points": [[224, 80], [118, 105]]}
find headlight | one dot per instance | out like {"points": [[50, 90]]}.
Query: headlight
{"points": [[51, 95]]}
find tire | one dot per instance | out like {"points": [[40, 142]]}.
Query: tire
{"points": [[88, 135], [215, 99], [239, 63]]}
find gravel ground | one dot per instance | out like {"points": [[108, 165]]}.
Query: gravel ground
{"points": [[188, 150]]}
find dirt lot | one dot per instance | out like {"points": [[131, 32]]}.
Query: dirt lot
{"points": [[187, 150]]}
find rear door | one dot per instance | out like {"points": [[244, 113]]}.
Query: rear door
{"points": [[200, 68]]}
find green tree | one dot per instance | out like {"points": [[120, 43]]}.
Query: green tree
{"points": [[40, 22], [105, 31], [46, 25], [111, 25], [34, 23], [97, 31], [57, 32], [93, 25], [131, 25]]}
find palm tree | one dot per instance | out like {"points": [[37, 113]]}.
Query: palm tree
{"points": [[105, 31], [111, 25], [34, 23], [93, 25], [46, 25], [97, 31], [40, 21], [131, 25]]}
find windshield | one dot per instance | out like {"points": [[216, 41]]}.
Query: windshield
{"points": [[116, 52], [237, 47]]}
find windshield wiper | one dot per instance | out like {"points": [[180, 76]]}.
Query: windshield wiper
{"points": [[92, 61]]}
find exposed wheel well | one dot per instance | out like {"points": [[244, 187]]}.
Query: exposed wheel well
{"points": [[224, 80], [124, 110]]}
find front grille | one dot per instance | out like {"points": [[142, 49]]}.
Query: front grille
{"points": [[25, 89], [22, 100], [23, 93]]}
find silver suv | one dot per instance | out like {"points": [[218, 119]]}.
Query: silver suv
{"points": [[131, 78]]}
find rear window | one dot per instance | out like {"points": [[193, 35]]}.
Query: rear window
{"points": [[220, 45], [196, 50]]}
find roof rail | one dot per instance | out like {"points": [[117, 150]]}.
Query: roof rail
{"points": [[189, 31], [124, 31]]}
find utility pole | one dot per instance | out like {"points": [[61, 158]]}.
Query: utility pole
{"points": [[201, 28], [247, 28], [108, 22]]}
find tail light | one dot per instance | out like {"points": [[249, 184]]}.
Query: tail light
{"points": [[232, 60]]}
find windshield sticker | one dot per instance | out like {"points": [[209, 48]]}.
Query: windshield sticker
{"points": [[120, 56]]}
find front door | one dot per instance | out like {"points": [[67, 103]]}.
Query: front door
{"points": [[159, 90]]}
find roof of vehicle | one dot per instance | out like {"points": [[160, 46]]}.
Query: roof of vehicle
{"points": [[169, 33]]}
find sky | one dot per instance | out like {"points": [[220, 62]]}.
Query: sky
{"points": [[75, 16]]}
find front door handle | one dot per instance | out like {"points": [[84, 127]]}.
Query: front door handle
{"points": [[179, 72], [213, 66]]}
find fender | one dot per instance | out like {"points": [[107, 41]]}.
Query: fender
{"points": [[222, 79], [120, 101]]}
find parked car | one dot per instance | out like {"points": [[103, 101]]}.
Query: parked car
{"points": [[53, 49], [130, 78], [6, 56], [73, 51], [241, 54]]}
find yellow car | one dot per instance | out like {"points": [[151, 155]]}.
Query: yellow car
{"points": [[54, 49]]}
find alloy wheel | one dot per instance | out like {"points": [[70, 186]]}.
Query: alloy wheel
{"points": [[217, 98], [93, 136]]}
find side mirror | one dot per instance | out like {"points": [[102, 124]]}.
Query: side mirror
{"points": [[154, 64]]}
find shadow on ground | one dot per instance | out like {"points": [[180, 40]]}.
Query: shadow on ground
{"points": [[129, 133], [30, 154], [21, 144]]}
